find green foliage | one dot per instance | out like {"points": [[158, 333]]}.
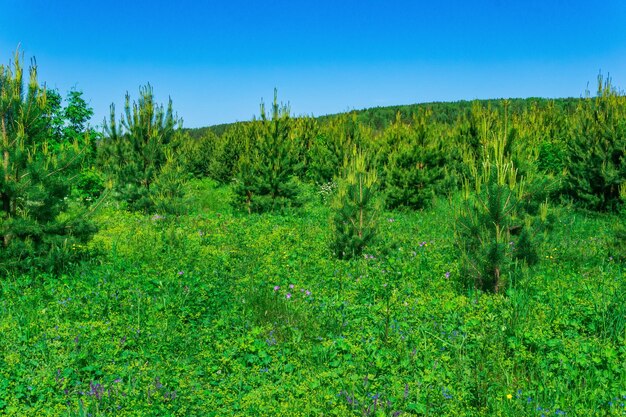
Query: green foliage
{"points": [[267, 167], [333, 145], [491, 214], [34, 179], [207, 312], [134, 151], [596, 154], [306, 132], [195, 154], [180, 316], [229, 147], [355, 209], [416, 171]]}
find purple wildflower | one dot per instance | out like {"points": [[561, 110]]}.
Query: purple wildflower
{"points": [[447, 274], [276, 287], [288, 295]]}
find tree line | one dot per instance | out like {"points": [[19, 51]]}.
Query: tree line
{"points": [[508, 160]]}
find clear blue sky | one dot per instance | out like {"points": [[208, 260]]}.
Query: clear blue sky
{"points": [[217, 60]]}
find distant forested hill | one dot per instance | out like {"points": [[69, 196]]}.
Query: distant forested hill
{"points": [[379, 118]]}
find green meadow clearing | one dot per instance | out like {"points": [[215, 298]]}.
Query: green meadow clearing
{"points": [[443, 259], [218, 313]]}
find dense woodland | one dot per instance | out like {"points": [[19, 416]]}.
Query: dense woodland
{"points": [[217, 231]]}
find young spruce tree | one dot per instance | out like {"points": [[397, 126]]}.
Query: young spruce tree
{"points": [[596, 150], [356, 207], [265, 180], [134, 151], [34, 180], [492, 229]]}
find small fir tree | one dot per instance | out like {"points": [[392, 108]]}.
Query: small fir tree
{"points": [[596, 154], [356, 208], [416, 171], [34, 179], [268, 165], [492, 229], [229, 148], [133, 152]]}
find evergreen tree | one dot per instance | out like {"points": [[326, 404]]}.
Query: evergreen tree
{"points": [[196, 153], [492, 227], [227, 152], [268, 164], [356, 208], [305, 133], [416, 170], [596, 154], [333, 146], [133, 151], [34, 177]]}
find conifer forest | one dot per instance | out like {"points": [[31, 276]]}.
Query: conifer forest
{"points": [[439, 259]]}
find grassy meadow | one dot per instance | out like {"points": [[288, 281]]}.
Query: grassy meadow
{"points": [[442, 259], [215, 312]]}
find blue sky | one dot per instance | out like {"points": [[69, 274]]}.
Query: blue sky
{"points": [[217, 60]]}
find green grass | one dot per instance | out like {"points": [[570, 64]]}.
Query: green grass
{"points": [[180, 316]]}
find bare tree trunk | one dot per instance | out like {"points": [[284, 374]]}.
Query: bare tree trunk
{"points": [[498, 283], [6, 198], [360, 207]]}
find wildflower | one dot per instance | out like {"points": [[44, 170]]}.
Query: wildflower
{"points": [[288, 295], [291, 286], [509, 396], [308, 292], [447, 274], [181, 272], [276, 287]]}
